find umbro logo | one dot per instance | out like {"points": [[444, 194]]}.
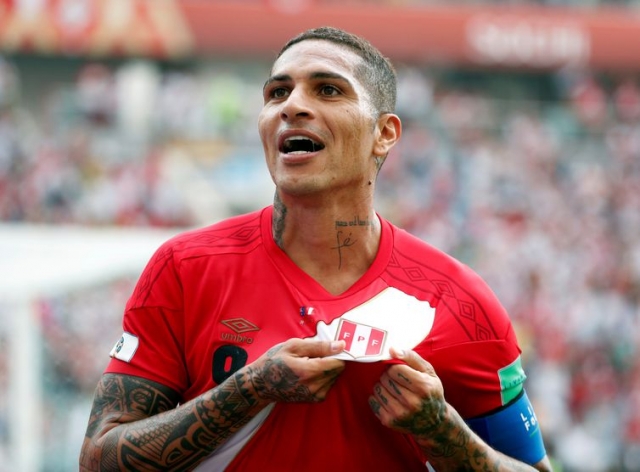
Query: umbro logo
{"points": [[239, 326]]}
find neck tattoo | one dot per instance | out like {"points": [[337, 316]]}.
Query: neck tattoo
{"points": [[355, 221], [342, 242]]}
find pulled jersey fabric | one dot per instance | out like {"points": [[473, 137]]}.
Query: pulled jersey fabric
{"points": [[215, 299]]}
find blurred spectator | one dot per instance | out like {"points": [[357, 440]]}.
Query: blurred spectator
{"points": [[96, 94], [627, 101]]}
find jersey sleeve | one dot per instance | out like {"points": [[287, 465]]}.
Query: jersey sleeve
{"points": [[151, 345], [473, 347], [479, 377]]}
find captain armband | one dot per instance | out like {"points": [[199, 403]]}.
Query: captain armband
{"points": [[513, 430]]}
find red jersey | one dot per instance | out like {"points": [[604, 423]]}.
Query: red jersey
{"points": [[215, 299]]}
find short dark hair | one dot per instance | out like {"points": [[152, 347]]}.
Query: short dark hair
{"points": [[376, 73]]}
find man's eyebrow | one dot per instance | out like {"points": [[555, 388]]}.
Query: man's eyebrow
{"points": [[276, 78], [313, 76], [329, 75]]}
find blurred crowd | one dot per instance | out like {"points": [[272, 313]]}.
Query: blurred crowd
{"points": [[410, 3], [540, 196], [543, 199]]}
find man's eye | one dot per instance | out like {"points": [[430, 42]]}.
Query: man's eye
{"points": [[329, 90], [278, 92]]}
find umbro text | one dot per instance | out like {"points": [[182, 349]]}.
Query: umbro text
{"points": [[236, 337]]}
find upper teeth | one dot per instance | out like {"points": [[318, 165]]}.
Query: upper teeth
{"points": [[290, 146]]}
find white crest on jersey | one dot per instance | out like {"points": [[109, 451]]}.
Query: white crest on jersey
{"points": [[405, 320]]}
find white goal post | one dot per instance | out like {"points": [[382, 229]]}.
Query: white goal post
{"points": [[37, 261]]}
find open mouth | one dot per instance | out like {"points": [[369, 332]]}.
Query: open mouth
{"points": [[300, 145]]}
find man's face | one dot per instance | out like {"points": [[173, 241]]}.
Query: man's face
{"points": [[317, 125]]}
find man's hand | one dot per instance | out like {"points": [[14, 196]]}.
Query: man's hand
{"points": [[297, 370], [409, 398]]}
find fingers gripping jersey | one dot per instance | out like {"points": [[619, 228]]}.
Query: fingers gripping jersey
{"points": [[213, 300]]}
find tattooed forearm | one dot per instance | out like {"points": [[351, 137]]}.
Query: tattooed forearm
{"points": [[109, 459], [226, 411], [135, 424], [427, 421], [447, 441], [276, 381], [452, 446]]}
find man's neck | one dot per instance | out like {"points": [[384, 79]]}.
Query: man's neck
{"points": [[335, 245]]}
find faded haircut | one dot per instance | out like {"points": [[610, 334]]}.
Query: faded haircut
{"points": [[376, 72]]}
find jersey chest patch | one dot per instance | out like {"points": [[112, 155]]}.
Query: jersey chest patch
{"points": [[391, 318]]}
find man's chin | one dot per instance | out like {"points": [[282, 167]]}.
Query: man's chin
{"points": [[300, 187]]}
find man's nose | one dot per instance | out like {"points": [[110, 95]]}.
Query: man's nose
{"points": [[297, 105]]}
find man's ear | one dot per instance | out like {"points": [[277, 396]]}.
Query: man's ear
{"points": [[389, 129]]}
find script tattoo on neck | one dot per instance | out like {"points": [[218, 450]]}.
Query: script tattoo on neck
{"points": [[355, 221], [341, 243], [341, 240]]}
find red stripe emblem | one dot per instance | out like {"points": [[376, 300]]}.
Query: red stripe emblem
{"points": [[361, 340]]}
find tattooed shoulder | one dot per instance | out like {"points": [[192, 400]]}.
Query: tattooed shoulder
{"points": [[130, 397]]}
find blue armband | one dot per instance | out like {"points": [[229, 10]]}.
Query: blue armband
{"points": [[513, 430]]}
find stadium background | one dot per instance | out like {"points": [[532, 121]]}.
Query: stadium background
{"points": [[125, 121]]}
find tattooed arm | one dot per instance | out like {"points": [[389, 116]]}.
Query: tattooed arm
{"points": [[136, 424], [410, 399]]}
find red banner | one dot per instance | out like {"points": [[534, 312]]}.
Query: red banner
{"points": [[504, 37], [95, 27]]}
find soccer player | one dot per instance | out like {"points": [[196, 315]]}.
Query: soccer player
{"points": [[314, 335]]}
